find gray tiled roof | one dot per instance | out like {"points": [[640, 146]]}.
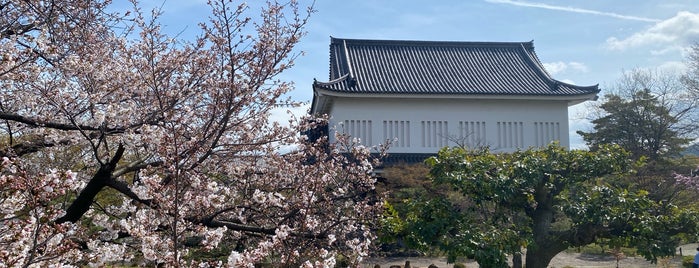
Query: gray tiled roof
{"points": [[429, 67]]}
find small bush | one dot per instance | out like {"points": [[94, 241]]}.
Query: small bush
{"points": [[341, 261], [598, 249], [687, 261]]}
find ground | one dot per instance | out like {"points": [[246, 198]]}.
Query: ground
{"points": [[577, 260]]}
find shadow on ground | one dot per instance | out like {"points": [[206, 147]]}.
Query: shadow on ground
{"points": [[575, 260]]}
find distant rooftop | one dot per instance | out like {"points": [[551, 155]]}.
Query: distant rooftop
{"points": [[441, 67]]}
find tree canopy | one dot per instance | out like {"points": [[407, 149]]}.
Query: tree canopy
{"points": [[121, 143], [641, 123], [691, 78], [544, 200], [650, 114]]}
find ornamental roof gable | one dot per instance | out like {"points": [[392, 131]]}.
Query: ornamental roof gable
{"points": [[441, 67]]}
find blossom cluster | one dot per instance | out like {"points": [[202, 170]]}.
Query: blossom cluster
{"points": [[28, 206], [691, 180], [123, 145]]}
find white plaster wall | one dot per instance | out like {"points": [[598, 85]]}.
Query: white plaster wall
{"points": [[452, 110]]}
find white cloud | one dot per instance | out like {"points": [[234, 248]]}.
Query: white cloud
{"points": [[571, 9], [555, 67], [678, 31], [578, 66], [666, 50], [568, 81], [561, 67], [673, 67]]}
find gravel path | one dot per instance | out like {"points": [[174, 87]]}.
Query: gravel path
{"points": [[577, 260]]}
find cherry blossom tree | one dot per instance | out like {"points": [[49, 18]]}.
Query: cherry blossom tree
{"points": [[123, 144]]}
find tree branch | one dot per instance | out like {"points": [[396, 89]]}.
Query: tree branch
{"points": [[60, 126], [259, 230], [135, 166], [29, 147], [82, 203], [19, 29], [123, 188], [239, 227]]}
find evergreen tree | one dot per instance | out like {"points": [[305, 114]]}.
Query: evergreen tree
{"points": [[641, 124]]}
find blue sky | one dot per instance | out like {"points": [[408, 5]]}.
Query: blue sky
{"points": [[579, 41]]}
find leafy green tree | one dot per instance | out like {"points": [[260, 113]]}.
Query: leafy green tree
{"points": [[641, 124], [649, 114], [545, 200]]}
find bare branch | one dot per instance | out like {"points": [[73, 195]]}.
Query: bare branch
{"points": [[53, 125], [29, 147]]}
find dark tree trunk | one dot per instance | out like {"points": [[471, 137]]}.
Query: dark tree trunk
{"points": [[546, 245], [540, 257], [517, 260], [82, 203]]}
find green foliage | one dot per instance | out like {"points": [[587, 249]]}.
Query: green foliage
{"points": [[687, 261], [401, 183], [659, 180], [546, 200], [642, 125], [428, 221], [650, 116], [211, 255], [391, 224], [427, 217], [637, 226], [602, 246], [341, 262]]}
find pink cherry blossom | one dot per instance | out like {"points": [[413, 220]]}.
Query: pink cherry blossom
{"points": [[122, 144]]}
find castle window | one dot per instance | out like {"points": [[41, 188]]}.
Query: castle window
{"points": [[360, 129], [510, 134], [435, 134], [399, 130], [546, 132]]}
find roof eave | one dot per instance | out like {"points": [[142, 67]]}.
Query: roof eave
{"points": [[571, 99], [584, 98], [321, 102]]}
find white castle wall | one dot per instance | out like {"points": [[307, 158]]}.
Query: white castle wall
{"points": [[426, 125]]}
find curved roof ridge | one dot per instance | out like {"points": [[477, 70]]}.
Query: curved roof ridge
{"points": [[332, 82], [534, 61], [442, 67], [335, 40], [531, 53], [345, 79]]}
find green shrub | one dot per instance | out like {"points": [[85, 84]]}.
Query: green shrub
{"points": [[687, 261], [341, 261]]}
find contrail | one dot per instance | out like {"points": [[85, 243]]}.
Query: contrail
{"points": [[572, 9]]}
